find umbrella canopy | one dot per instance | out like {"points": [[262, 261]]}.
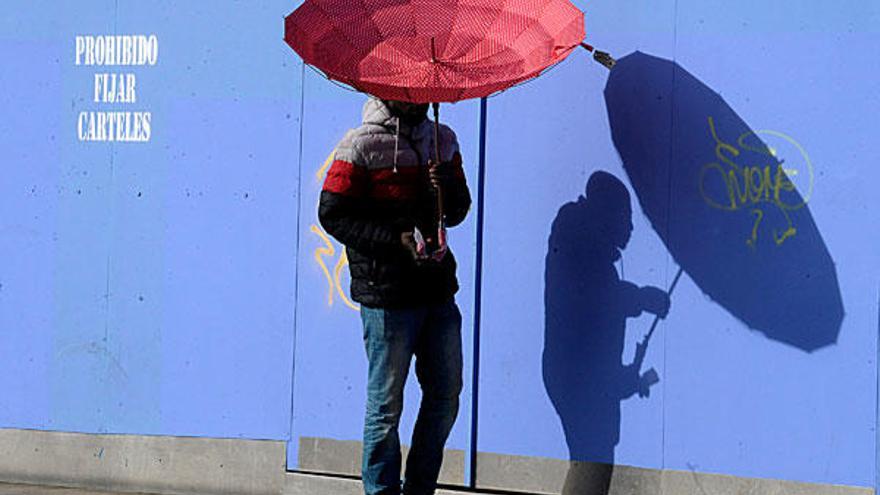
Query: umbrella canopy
{"points": [[729, 202], [427, 51]]}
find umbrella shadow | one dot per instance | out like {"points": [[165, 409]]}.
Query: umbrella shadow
{"points": [[730, 202], [586, 308]]}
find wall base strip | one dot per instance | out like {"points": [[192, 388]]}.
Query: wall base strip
{"points": [[137, 463], [188, 465], [548, 476]]}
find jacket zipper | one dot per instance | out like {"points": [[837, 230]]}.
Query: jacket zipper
{"points": [[372, 280]]}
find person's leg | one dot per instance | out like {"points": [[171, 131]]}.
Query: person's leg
{"points": [[439, 369], [592, 478], [389, 338]]}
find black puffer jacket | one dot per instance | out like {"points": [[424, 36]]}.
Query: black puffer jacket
{"points": [[378, 188]]}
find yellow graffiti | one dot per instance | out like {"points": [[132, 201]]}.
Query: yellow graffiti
{"points": [[753, 185], [325, 167], [759, 215], [328, 250], [340, 265], [334, 283]]}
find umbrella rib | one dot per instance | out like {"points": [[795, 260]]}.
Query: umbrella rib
{"points": [[375, 26], [458, 12], [335, 82], [506, 48], [509, 49], [527, 28], [371, 20], [336, 29]]}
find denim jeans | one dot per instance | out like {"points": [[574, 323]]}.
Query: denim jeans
{"points": [[392, 337]]}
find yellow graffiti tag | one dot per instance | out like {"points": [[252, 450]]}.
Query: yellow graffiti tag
{"points": [[325, 167], [334, 283], [762, 181], [340, 265], [327, 250]]}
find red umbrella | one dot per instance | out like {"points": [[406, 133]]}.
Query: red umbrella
{"points": [[432, 51]]}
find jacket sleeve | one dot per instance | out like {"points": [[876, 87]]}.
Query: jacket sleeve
{"points": [[344, 210], [458, 196]]}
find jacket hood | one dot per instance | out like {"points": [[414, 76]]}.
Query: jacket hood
{"points": [[375, 112]]}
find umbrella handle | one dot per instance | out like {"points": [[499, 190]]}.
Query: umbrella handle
{"points": [[642, 348], [441, 221]]}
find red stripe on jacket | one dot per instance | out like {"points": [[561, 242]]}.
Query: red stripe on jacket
{"points": [[346, 178], [405, 183]]}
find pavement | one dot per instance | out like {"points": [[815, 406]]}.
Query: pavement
{"points": [[295, 484], [309, 484], [10, 489]]}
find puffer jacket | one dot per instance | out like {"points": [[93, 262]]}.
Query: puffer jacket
{"points": [[377, 188]]}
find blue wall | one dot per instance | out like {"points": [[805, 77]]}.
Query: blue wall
{"points": [[148, 287], [729, 400], [176, 287]]}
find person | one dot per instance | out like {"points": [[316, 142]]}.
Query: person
{"points": [[586, 307], [379, 200]]}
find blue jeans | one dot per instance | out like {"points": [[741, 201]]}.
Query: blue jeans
{"points": [[392, 337]]}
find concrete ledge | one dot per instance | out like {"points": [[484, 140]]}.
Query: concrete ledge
{"points": [[344, 457], [627, 483], [699, 483], [309, 484], [184, 465], [548, 477], [135, 463], [7, 489]]}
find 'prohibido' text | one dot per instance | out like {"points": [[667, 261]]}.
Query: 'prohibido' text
{"points": [[115, 88]]}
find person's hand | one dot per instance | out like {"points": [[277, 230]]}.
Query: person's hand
{"points": [[437, 246], [655, 301], [439, 173], [412, 247], [646, 381], [431, 244]]}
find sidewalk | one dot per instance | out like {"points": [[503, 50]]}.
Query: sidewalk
{"points": [[295, 484], [7, 489], [309, 484]]}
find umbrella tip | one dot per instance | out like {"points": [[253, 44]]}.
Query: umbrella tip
{"points": [[605, 59]]}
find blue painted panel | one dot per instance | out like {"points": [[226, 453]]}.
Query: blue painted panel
{"points": [[545, 141], [330, 363], [28, 199], [223, 173], [60, 282], [163, 297], [795, 70], [729, 400]]}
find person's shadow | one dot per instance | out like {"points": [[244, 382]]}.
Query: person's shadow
{"points": [[586, 307]]}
